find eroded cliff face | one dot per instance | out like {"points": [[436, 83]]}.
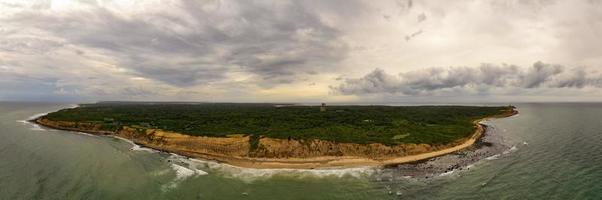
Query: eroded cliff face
{"points": [[73, 126], [281, 148], [225, 148], [174, 142], [163, 140]]}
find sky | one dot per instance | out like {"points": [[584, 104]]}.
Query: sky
{"points": [[301, 51]]}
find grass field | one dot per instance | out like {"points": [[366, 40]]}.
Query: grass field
{"points": [[356, 124]]}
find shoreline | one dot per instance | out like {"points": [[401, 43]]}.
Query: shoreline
{"points": [[317, 162], [490, 146]]}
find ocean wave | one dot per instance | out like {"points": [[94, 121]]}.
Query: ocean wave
{"points": [[86, 134], [462, 169], [251, 174], [38, 115], [512, 149], [192, 164], [471, 165], [496, 156], [182, 173], [183, 168], [34, 126], [447, 173], [136, 147]]}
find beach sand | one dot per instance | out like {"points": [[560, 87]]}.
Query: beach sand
{"points": [[311, 162], [337, 162]]}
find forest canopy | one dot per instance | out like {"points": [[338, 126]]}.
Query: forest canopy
{"points": [[388, 125]]}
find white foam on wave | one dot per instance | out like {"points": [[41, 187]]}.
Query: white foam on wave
{"points": [[467, 167], [136, 147], [251, 174], [182, 172], [38, 115], [160, 172], [512, 149], [34, 126], [447, 173], [496, 156], [192, 164], [248, 174], [86, 134]]}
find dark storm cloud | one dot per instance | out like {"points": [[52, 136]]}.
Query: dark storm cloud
{"points": [[196, 44], [483, 78]]}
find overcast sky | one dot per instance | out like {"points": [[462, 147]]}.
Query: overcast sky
{"points": [[301, 51]]}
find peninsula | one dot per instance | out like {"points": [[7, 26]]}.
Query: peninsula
{"points": [[285, 135]]}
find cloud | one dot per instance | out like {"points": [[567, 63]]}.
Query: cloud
{"points": [[186, 43], [261, 50], [421, 17], [409, 37], [404, 4], [430, 81]]}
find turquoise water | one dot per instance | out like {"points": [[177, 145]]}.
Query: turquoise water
{"points": [[557, 154]]}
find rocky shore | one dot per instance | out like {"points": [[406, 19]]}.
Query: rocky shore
{"points": [[490, 146]]}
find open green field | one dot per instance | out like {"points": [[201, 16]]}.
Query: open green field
{"points": [[356, 124]]}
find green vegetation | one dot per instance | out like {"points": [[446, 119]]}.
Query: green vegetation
{"points": [[357, 124]]}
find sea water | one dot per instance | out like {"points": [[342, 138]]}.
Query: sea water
{"points": [[556, 154]]}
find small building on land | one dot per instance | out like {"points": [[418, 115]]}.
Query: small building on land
{"points": [[323, 107]]}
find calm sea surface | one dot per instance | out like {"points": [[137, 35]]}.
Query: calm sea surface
{"points": [[556, 154]]}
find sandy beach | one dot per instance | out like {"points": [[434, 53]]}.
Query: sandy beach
{"points": [[337, 162], [291, 163]]}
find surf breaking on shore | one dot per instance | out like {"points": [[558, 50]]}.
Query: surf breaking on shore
{"points": [[213, 148], [492, 145], [186, 167]]}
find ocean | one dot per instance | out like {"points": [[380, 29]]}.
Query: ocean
{"points": [[555, 152]]}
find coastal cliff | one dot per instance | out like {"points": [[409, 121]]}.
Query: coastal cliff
{"points": [[267, 152]]}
